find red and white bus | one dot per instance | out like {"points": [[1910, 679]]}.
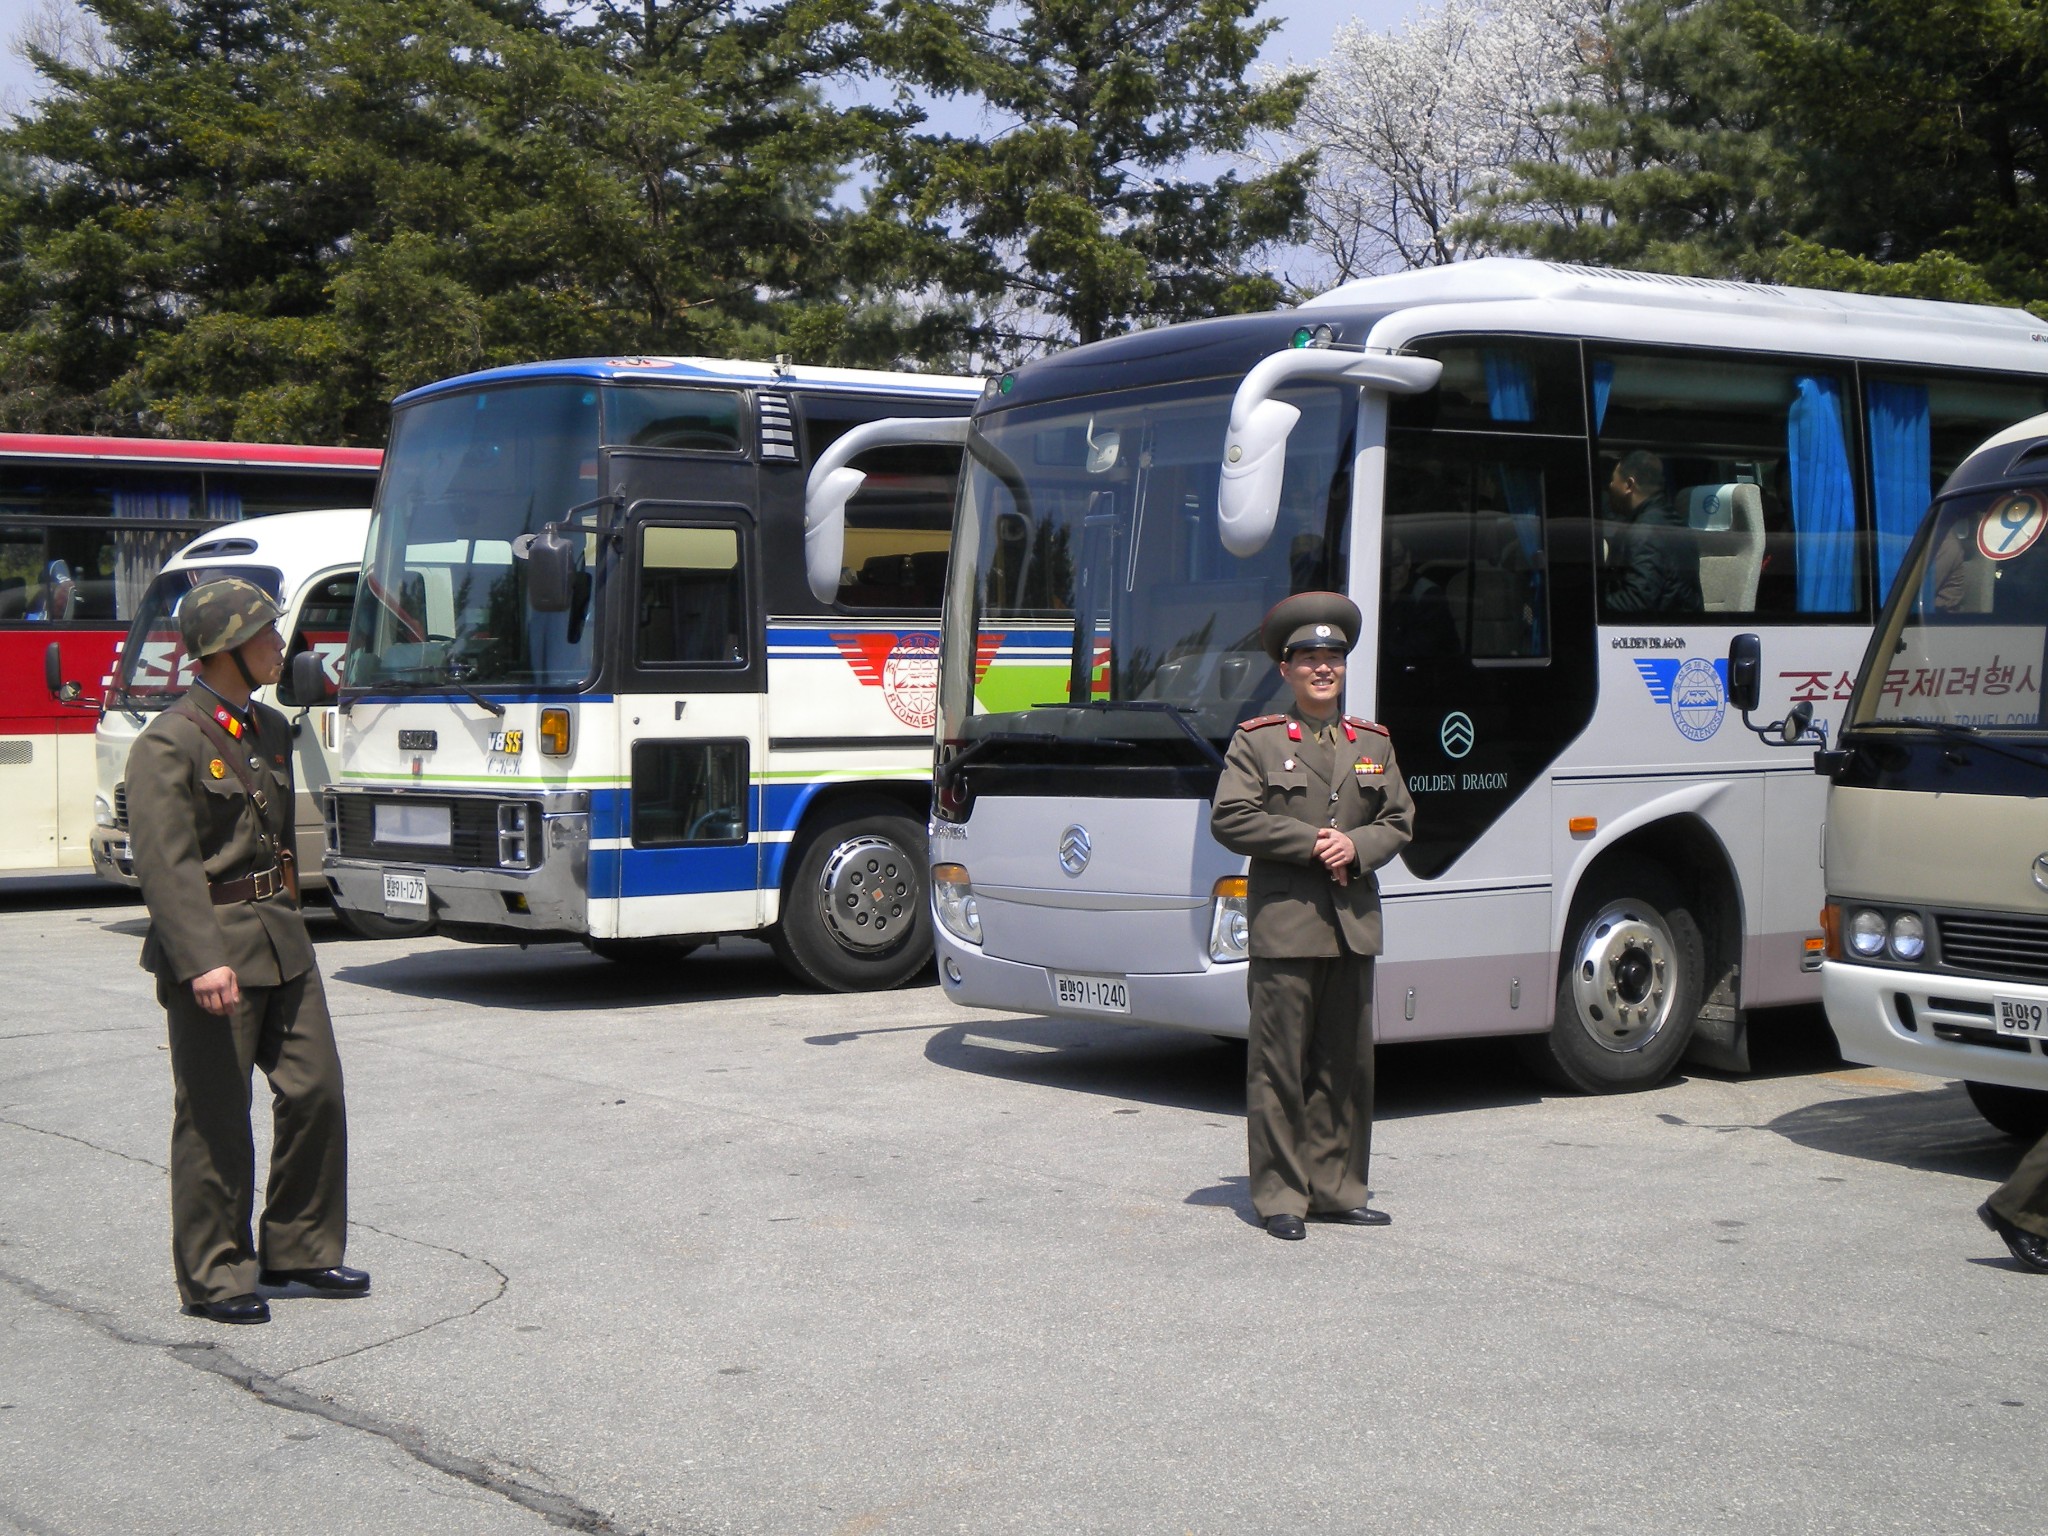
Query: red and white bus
{"points": [[85, 525]]}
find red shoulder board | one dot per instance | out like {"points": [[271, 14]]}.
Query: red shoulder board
{"points": [[1258, 720], [1367, 725]]}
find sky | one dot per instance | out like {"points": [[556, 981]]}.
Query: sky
{"points": [[1308, 26]]}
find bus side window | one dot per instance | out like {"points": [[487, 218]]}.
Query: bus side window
{"points": [[1465, 565]]}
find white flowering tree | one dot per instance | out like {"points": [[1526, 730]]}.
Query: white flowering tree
{"points": [[1414, 128]]}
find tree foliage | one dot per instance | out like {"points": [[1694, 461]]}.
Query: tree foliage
{"points": [[1412, 128], [1894, 146], [1086, 210]]}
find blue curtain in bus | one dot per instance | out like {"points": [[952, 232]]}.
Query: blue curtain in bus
{"points": [[1603, 386], [1901, 468], [1511, 396], [223, 504], [1823, 498]]}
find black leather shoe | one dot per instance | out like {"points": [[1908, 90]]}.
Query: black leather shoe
{"points": [[1287, 1228], [1358, 1216], [2030, 1250], [247, 1308], [334, 1281]]}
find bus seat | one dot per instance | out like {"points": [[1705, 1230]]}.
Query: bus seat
{"points": [[1728, 523]]}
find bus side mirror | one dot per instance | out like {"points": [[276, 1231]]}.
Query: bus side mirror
{"points": [[550, 571], [1255, 445], [1797, 722], [831, 484], [1746, 672], [309, 681], [53, 675]]}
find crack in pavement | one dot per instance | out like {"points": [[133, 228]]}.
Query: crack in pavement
{"points": [[556, 1508], [43, 1130], [504, 1284]]}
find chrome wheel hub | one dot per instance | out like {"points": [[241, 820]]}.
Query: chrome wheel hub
{"points": [[1623, 976], [868, 890]]}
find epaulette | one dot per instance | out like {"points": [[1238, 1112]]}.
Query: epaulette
{"points": [[1369, 725], [1258, 720]]}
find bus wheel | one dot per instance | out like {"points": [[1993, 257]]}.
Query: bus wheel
{"points": [[855, 917], [1628, 988], [2021, 1112], [374, 925]]}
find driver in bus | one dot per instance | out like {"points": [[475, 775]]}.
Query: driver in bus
{"points": [[1315, 800], [1652, 565]]}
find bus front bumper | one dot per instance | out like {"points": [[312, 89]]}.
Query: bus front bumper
{"points": [[1937, 1024], [1211, 1001], [112, 858], [548, 901]]}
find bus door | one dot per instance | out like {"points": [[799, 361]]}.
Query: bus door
{"points": [[1486, 673], [691, 706]]}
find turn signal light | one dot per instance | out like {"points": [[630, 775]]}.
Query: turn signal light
{"points": [[554, 732], [1583, 826], [1831, 931]]}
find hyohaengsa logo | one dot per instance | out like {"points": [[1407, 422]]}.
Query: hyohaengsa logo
{"points": [[1695, 690]]}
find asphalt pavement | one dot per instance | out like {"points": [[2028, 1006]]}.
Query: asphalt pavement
{"points": [[685, 1248]]}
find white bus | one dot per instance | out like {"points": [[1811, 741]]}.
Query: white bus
{"points": [[588, 693], [1605, 861], [1937, 804], [309, 562]]}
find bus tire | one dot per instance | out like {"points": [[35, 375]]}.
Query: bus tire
{"points": [[374, 925], [856, 916], [1629, 986], [2021, 1112]]}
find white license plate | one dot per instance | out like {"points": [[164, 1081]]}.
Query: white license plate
{"points": [[404, 895], [1103, 994], [420, 826], [2022, 1016]]}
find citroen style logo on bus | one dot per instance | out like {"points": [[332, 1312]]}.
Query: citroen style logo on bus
{"points": [[1457, 734], [1074, 849]]}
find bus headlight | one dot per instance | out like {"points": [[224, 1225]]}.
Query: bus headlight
{"points": [[1866, 933], [1909, 936], [953, 901], [1230, 922], [102, 813]]}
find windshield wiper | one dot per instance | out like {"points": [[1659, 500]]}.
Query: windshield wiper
{"points": [[1950, 730], [423, 685]]}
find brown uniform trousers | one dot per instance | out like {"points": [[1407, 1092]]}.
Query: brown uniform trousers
{"points": [[2023, 1198], [1309, 1063], [193, 826]]}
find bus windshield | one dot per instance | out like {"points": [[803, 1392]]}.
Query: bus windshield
{"points": [[1961, 642], [1090, 594], [465, 477], [154, 669]]}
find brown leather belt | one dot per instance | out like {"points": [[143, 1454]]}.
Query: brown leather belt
{"points": [[265, 882]]}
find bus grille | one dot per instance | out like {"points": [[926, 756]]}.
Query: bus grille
{"points": [[472, 842], [1985, 944]]}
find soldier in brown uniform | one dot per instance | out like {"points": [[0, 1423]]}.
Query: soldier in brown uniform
{"points": [[210, 819], [1316, 800], [2018, 1209]]}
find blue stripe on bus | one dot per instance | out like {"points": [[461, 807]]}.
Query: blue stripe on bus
{"points": [[745, 375], [673, 871]]}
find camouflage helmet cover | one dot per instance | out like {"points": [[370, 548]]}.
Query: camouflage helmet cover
{"points": [[224, 614]]}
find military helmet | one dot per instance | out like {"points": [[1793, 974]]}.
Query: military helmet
{"points": [[223, 614], [1319, 620]]}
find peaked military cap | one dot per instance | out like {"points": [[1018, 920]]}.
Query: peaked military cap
{"points": [[1314, 619], [223, 614]]}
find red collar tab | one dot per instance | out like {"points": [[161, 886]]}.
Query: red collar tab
{"points": [[225, 719], [1294, 730]]}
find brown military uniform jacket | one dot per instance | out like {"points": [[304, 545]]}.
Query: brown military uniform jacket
{"points": [[192, 827], [1274, 794]]}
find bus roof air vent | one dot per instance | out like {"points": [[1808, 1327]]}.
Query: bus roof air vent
{"points": [[215, 549]]}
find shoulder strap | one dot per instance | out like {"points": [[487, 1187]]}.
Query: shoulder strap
{"points": [[1259, 720], [231, 751]]}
